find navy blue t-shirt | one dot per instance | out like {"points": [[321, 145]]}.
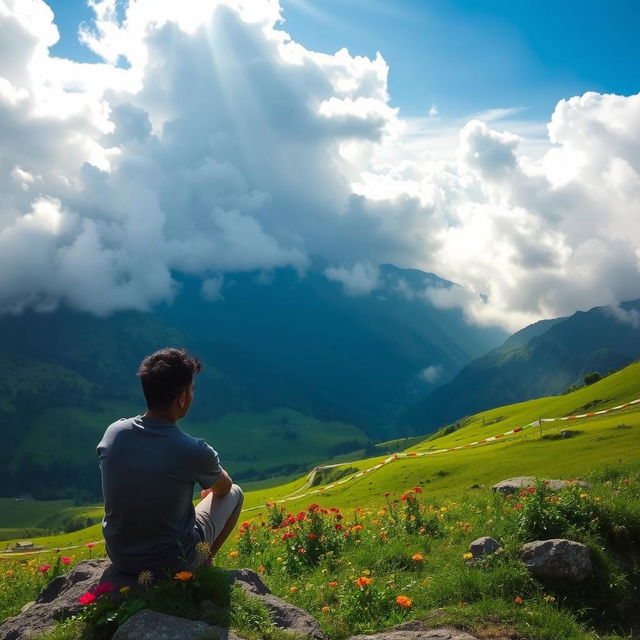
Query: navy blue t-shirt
{"points": [[149, 468]]}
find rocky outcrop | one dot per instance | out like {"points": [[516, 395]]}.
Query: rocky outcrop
{"points": [[151, 625], [284, 614], [513, 485], [557, 559], [415, 630]]}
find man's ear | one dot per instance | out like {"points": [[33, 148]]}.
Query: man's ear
{"points": [[182, 399]]}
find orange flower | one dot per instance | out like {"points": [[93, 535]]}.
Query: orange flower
{"points": [[332, 584], [404, 602], [518, 600], [293, 589], [326, 609], [417, 557], [262, 568], [183, 576], [233, 554], [363, 581]]}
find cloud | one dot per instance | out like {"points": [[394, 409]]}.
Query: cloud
{"points": [[431, 373], [222, 145], [359, 280], [626, 316]]}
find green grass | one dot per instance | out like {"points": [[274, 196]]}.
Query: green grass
{"points": [[477, 596]]}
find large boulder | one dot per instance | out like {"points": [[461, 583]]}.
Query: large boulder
{"points": [[59, 599], [151, 625], [514, 485], [285, 615], [557, 559], [415, 630]]}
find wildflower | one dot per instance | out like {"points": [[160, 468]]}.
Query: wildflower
{"points": [[518, 600], [332, 584], [417, 557], [9, 574], [517, 506], [293, 589], [363, 581], [44, 568], [313, 507], [417, 489], [233, 554], [312, 535], [366, 572], [245, 525], [326, 609], [279, 559], [302, 550], [404, 602], [584, 495], [183, 576], [65, 560], [203, 549], [102, 588], [145, 578], [124, 590], [549, 599], [338, 527], [90, 545], [87, 598], [467, 556], [357, 527], [262, 569]]}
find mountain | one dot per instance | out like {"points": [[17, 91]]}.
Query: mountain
{"points": [[545, 358], [295, 372]]}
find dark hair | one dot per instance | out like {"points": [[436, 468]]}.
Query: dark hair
{"points": [[165, 374]]}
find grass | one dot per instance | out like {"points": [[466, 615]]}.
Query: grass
{"points": [[444, 587]]}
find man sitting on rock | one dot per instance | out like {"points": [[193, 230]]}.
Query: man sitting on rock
{"points": [[149, 468]]}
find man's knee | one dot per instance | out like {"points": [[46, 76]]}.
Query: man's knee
{"points": [[238, 494]]}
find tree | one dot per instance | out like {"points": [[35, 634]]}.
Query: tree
{"points": [[592, 377]]}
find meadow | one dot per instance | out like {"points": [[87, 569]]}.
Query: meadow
{"points": [[394, 544]]}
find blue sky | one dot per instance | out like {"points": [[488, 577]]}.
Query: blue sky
{"points": [[464, 56]]}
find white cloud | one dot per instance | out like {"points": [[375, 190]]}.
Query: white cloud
{"points": [[225, 146], [431, 373], [360, 279]]}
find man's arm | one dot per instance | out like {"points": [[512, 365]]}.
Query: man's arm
{"points": [[220, 487]]}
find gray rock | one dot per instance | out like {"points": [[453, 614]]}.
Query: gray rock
{"points": [[415, 630], [484, 546], [27, 606], [513, 485], [59, 599], [285, 615], [557, 559], [151, 625]]}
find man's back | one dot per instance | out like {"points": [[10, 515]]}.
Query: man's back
{"points": [[149, 468]]}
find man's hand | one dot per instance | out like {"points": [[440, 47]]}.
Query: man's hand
{"points": [[221, 487]]}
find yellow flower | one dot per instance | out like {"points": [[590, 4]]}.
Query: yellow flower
{"points": [[293, 589], [124, 589], [183, 576], [584, 495], [233, 554], [467, 556], [279, 559], [366, 572]]}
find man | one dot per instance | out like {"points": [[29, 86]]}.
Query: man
{"points": [[149, 468]]}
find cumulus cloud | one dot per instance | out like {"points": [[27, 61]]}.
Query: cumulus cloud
{"points": [[222, 145], [360, 279]]}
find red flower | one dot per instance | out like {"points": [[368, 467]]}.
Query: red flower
{"points": [[417, 489], [313, 507], [65, 560], [245, 525], [103, 588], [338, 527], [518, 600], [312, 535], [44, 568], [532, 490], [90, 545], [301, 550], [87, 598], [517, 506]]}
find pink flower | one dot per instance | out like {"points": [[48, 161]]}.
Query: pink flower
{"points": [[87, 598], [44, 568], [65, 560], [90, 545], [100, 589]]}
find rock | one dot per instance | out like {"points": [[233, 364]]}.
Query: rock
{"points": [[415, 630], [285, 615], [59, 599], [513, 485], [557, 559], [27, 606], [484, 546], [151, 625]]}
